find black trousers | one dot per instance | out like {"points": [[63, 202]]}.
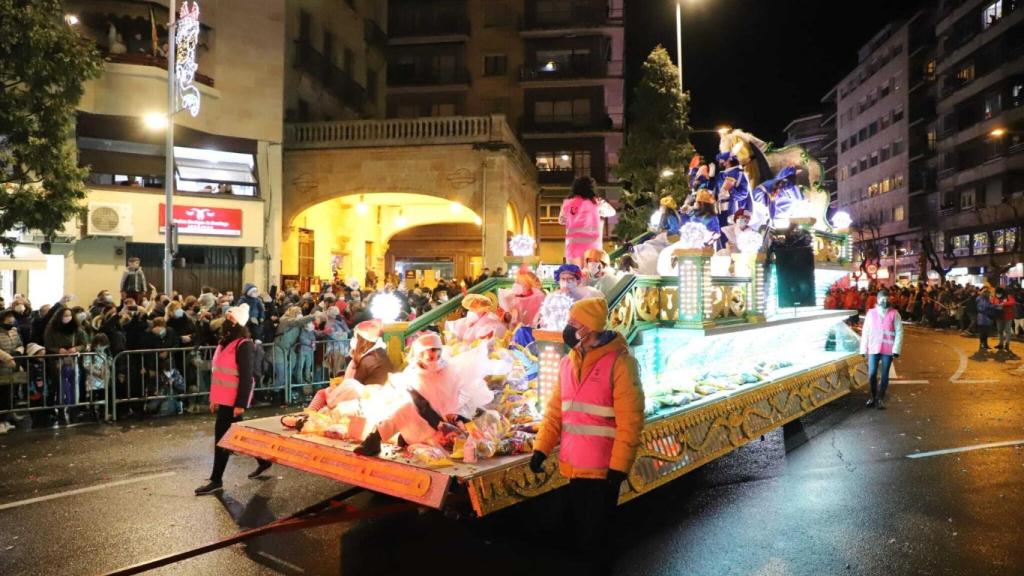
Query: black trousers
{"points": [[592, 505], [225, 418]]}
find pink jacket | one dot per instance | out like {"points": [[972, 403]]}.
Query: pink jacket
{"points": [[882, 332]]}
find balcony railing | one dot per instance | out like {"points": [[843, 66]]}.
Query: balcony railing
{"points": [[374, 35], [427, 23], [335, 80], [584, 14], [427, 77], [573, 70]]}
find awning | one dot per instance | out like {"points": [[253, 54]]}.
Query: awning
{"points": [[24, 258]]}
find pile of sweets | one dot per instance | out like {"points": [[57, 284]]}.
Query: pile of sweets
{"points": [[674, 388]]}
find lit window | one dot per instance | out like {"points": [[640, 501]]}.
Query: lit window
{"points": [[897, 213], [991, 14], [981, 244]]}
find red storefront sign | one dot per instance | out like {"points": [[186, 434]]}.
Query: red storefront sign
{"points": [[201, 221]]}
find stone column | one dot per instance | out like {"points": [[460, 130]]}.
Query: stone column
{"points": [[495, 198]]}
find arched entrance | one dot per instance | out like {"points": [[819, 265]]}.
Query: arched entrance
{"points": [[423, 254], [344, 237]]}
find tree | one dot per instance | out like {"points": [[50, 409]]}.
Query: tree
{"points": [[658, 139], [43, 65]]}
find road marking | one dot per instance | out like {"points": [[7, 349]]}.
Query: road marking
{"points": [[28, 501], [966, 449], [908, 381], [962, 367]]}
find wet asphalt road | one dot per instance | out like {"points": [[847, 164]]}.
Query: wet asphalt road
{"points": [[840, 498]]}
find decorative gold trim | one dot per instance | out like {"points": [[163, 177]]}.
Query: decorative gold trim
{"points": [[673, 446]]}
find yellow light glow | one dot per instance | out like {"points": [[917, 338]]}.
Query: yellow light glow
{"points": [[667, 173], [361, 207], [479, 222], [455, 207], [400, 222], [155, 121], [998, 133], [71, 19]]}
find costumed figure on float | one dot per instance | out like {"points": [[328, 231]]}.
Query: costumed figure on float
{"points": [[480, 323], [733, 187], [581, 214], [600, 275], [522, 302]]}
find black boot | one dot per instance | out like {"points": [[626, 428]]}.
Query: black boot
{"points": [[370, 446], [880, 404], [210, 488], [871, 402]]}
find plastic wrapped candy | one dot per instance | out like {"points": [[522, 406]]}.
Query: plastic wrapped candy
{"points": [[430, 456]]}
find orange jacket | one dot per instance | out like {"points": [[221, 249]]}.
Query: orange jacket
{"points": [[628, 403]]}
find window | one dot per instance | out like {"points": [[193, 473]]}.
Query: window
{"points": [[407, 111], [991, 14], [576, 112], [967, 199], [549, 213], [575, 161], [884, 185], [1017, 93], [939, 242], [874, 159], [993, 105], [862, 134], [863, 163], [897, 114], [303, 111], [442, 109], [929, 69], [329, 47], [932, 139], [884, 122], [873, 128], [842, 146], [981, 243], [961, 245], [873, 190], [496, 106], [965, 74], [853, 169], [897, 147], [371, 85], [853, 140], [897, 213], [897, 181], [884, 154], [495, 65], [896, 82], [213, 171], [886, 88]]}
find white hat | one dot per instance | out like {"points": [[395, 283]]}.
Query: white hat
{"points": [[33, 348], [239, 313]]}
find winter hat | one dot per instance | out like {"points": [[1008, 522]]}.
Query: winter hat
{"points": [[427, 341], [669, 202], [570, 268], [370, 330], [590, 312], [32, 349], [598, 255], [477, 302], [240, 314]]}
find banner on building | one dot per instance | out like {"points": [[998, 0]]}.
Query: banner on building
{"points": [[201, 221]]}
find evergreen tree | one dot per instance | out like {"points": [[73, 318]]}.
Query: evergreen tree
{"points": [[658, 138], [43, 65]]}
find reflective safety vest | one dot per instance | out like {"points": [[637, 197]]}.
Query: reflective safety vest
{"points": [[224, 381], [582, 221], [882, 338], [588, 415]]}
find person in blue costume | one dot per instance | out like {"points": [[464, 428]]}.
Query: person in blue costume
{"points": [[704, 213], [784, 194], [671, 220], [733, 190]]}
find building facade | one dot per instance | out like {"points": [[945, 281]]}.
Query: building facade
{"points": [[554, 68], [816, 133], [979, 198], [227, 158]]}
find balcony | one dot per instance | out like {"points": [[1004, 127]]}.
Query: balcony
{"points": [[583, 14], [334, 80], [407, 25], [374, 35], [555, 125], [570, 71], [406, 77]]}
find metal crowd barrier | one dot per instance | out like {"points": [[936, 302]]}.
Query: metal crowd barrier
{"points": [[55, 382], [174, 380]]}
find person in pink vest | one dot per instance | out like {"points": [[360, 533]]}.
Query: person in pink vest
{"points": [[231, 389], [581, 215], [881, 340], [595, 414]]}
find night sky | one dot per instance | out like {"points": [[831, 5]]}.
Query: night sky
{"points": [[758, 64]]}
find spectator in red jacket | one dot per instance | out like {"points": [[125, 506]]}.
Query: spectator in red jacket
{"points": [[1004, 322]]}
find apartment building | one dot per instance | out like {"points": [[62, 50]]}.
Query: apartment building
{"points": [[227, 157], [554, 68], [335, 54], [816, 133], [980, 135]]}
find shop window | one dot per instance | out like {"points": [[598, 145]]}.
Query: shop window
{"points": [[962, 245], [981, 243], [991, 14], [214, 171], [495, 65]]}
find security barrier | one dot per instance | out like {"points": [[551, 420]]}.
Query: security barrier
{"points": [[159, 381]]}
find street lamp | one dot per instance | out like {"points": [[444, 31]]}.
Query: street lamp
{"points": [[71, 19], [998, 133], [679, 41], [667, 173]]}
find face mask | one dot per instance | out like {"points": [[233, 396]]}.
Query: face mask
{"points": [[567, 284], [161, 333], [179, 313], [81, 316], [253, 293], [594, 268], [883, 302], [19, 309], [225, 308], [66, 319], [108, 299], [431, 365], [443, 298], [311, 327], [570, 337], [742, 223]]}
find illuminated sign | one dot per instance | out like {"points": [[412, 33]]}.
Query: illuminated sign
{"points": [[202, 221]]}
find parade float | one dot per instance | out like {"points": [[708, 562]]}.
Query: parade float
{"points": [[723, 361]]}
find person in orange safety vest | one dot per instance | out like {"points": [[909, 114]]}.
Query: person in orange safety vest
{"points": [[596, 414]]}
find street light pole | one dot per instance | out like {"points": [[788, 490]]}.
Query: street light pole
{"points": [[679, 41], [169, 157]]}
